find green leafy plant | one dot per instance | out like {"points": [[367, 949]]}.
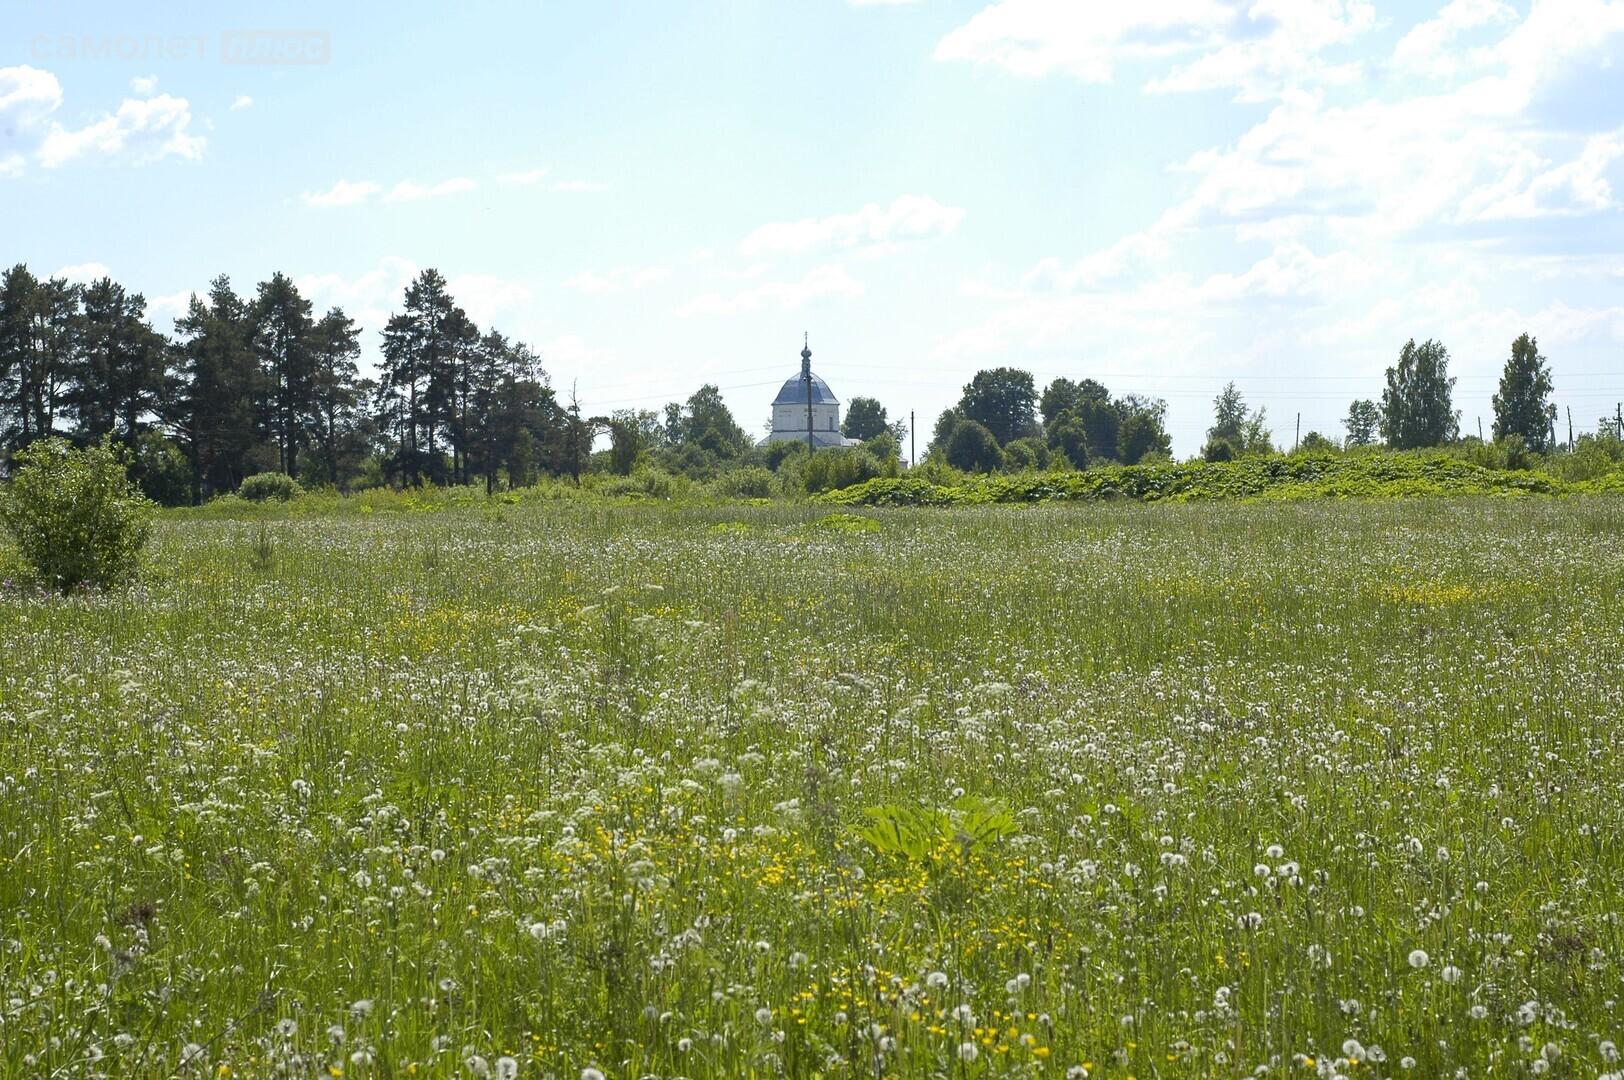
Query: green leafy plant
{"points": [[76, 518], [917, 833], [263, 487]]}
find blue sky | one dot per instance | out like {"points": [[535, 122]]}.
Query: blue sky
{"points": [[657, 194]]}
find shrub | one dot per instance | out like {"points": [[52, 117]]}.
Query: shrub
{"points": [[831, 470], [265, 486], [1595, 456], [75, 516], [749, 482], [646, 482], [1025, 454]]}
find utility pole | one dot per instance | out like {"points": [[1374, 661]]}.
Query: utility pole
{"points": [[806, 376], [913, 458], [1297, 440], [1480, 429], [575, 436], [1570, 428]]}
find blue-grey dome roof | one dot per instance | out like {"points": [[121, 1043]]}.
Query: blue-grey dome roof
{"points": [[794, 392]]}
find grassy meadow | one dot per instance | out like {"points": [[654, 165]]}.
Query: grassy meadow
{"points": [[575, 789]]}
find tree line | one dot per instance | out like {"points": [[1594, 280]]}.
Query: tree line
{"points": [[1416, 409], [246, 384], [249, 384]]}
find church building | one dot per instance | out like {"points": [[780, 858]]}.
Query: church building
{"points": [[791, 410]]}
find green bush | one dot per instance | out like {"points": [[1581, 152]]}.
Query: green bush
{"points": [[646, 482], [749, 482], [1302, 476], [75, 516], [265, 486], [1594, 457], [973, 448], [1021, 455], [833, 469]]}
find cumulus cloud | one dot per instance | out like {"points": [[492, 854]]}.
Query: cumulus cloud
{"points": [[818, 283], [1428, 47], [83, 273], [139, 130], [241, 102], [487, 297], [355, 192], [410, 190], [343, 193], [28, 96], [144, 129], [367, 297], [908, 217], [1217, 43]]}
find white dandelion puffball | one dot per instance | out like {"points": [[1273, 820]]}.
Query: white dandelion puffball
{"points": [[1419, 958]]}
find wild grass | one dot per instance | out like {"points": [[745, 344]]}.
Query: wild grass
{"points": [[543, 788]]}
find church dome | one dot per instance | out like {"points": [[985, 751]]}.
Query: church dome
{"points": [[794, 392]]}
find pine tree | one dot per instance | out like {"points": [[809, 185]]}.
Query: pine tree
{"points": [[214, 384], [117, 377], [1523, 404], [282, 340], [40, 324], [335, 394], [427, 353]]}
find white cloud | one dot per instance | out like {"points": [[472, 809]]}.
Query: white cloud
{"points": [[28, 92], [368, 298], [1427, 47], [1397, 163], [527, 177], [83, 273], [818, 283], [908, 217], [354, 192], [343, 193], [28, 96], [168, 305], [580, 186], [1579, 186], [486, 297], [1287, 54], [144, 84], [617, 280], [145, 130], [410, 190], [241, 102], [371, 296], [1248, 45]]}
